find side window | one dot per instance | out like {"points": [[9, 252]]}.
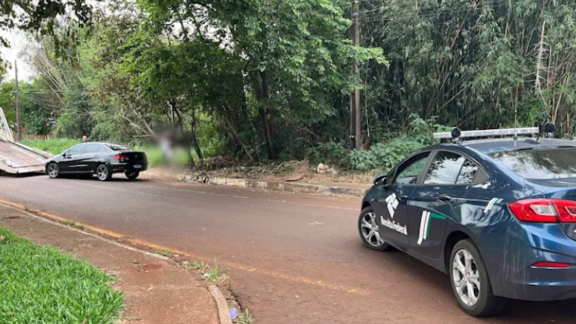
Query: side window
{"points": [[92, 149], [408, 172], [445, 168], [78, 149], [468, 173]]}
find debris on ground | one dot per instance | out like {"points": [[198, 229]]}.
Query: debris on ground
{"points": [[322, 168]]}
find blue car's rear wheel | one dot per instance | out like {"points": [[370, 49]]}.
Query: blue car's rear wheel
{"points": [[470, 282], [369, 231]]}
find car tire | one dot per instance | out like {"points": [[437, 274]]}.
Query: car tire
{"points": [[368, 231], [103, 173], [53, 170], [132, 175], [472, 288]]}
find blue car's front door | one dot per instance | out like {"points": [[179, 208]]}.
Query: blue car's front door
{"points": [[435, 198], [391, 206]]}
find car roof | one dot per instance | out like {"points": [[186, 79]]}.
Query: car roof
{"points": [[103, 143], [488, 146]]}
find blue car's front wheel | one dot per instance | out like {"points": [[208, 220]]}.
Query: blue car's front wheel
{"points": [[470, 281], [369, 232]]}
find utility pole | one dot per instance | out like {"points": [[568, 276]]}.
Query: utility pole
{"points": [[17, 99], [355, 111]]}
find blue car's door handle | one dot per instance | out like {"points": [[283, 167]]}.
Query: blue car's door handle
{"points": [[403, 197], [444, 198]]}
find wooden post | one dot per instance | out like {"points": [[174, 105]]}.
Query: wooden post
{"points": [[355, 110], [17, 99]]}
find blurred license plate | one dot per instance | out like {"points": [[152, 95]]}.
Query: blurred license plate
{"points": [[137, 166]]}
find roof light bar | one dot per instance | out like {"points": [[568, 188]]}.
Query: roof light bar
{"points": [[489, 132]]}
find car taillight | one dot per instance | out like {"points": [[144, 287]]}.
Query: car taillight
{"points": [[544, 210], [121, 157]]}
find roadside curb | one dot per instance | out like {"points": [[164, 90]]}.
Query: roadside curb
{"points": [[223, 311], [294, 187], [285, 186], [104, 235]]}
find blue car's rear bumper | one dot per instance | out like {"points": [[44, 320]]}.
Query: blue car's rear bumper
{"points": [[513, 253]]}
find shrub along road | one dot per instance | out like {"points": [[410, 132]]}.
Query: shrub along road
{"points": [[293, 258]]}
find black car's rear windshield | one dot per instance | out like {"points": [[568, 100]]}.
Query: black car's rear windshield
{"points": [[116, 147], [540, 163]]}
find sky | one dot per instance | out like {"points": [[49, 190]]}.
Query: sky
{"points": [[17, 41]]}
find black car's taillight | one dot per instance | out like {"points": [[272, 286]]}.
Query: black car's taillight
{"points": [[121, 157]]}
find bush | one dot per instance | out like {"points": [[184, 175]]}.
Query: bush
{"points": [[326, 152], [386, 156], [360, 160]]}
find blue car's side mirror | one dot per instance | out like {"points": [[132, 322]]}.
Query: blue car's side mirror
{"points": [[380, 180]]}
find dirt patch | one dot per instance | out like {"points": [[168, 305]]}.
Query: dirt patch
{"points": [[292, 171]]}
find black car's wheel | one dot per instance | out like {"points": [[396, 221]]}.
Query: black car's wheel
{"points": [[103, 173], [369, 232], [470, 281], [53, 170], [132, 174]]}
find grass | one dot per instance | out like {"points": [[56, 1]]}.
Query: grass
{"points": [[245, 318], [54, 146], [213, 274], [39, 284], [165, 253], [75, 225]]}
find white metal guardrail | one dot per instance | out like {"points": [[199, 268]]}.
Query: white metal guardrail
{"points": [[5, 132]]}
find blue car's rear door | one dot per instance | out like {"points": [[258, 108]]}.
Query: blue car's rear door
{"points": [[390, 208], [434, 200]]}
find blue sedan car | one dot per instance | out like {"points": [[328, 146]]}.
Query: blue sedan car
{"points": [[497, 215]]}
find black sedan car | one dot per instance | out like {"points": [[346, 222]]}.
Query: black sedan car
{"points": [[101, 159]]}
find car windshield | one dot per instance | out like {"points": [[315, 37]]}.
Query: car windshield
{"points": [[116, 147], [541, 164]]}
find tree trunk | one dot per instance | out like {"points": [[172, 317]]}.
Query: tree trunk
{"points": [[223, 111], [267, 115], [185, 141], [194, 137]]}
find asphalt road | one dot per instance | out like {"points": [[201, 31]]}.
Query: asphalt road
{"points": [[292, 258]]}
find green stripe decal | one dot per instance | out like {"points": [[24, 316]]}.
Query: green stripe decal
{"points": [[432, 215]]}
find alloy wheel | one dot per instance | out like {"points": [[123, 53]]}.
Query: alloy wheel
{"points": [[466, 277], [53, 170], [369, 230], [102, 172]]}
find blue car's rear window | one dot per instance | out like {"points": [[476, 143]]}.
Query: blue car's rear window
{"points": [[540, 163]]}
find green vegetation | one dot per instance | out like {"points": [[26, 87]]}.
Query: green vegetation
{"points": [[164, 252], [42, 285], [245, 318], [75, 225], [213, 274], [270, 80], [54, 146]]}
